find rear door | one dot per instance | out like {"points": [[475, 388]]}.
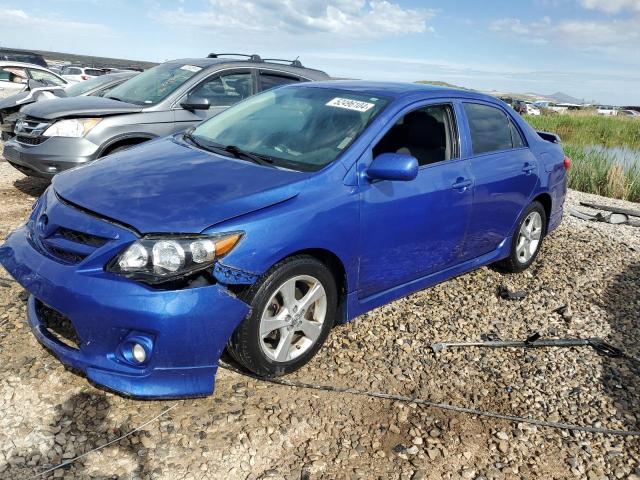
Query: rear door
{"points": [[505, 173], [222, 89]]}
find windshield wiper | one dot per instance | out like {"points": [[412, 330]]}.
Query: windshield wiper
{"points": [[114, 98], [254, 157], [233, 150]]}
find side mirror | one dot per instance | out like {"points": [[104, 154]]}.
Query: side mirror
{"points": [[393, 166], [195, 102]]}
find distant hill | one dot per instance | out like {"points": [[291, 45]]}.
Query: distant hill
{"points": [[560, 97], [438, 83], [88, 60]]}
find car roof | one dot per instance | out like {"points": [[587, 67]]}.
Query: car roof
{"points": [[208, 62], [396, 89], [9, 63]]}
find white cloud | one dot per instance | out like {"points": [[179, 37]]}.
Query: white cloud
{"points": [[12, 18], [611, 6], [340, 18], [613, 37]]}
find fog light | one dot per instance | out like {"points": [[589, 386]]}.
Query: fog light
{"points": [[139, 353]]}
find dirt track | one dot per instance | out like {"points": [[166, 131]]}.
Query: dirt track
{"points": [[250, 429]]}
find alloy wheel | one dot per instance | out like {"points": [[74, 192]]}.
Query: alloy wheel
{"points": [[529, 237], [292, 319]]}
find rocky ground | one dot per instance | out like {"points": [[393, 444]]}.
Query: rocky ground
{"points": [[250, 429]]}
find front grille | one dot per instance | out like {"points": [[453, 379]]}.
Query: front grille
{"points": [[81, 237], [65, 255], [30, 140], [58, 326]]}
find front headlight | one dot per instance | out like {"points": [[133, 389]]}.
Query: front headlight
{"points": [[157, 259], [72, 127]]}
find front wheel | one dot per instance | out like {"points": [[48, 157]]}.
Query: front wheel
{"points": [[527, 239], [292, 311]]}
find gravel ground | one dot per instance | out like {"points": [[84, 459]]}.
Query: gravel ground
{"points": [[250, 429]]}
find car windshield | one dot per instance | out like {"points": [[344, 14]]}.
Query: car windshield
{"points": [[82, 87], [155, 84], [298, 128]]}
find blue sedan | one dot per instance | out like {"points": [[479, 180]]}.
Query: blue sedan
{"points": [[260, 229]]}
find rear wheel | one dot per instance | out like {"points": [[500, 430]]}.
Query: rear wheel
{"points": [[292, 311], [527, 239]]}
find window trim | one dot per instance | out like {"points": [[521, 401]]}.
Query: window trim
{"points": [[455, 134], [278, 73], [509, 118]]}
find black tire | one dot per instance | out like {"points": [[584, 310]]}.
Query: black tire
{"points": [[245, 346], [512, 263]]}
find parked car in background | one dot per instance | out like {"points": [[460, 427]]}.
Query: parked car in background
{"points": [[22, 56], [10, 106], [606, 110], [75, 73], [15, 77], [259, 230], [629, 113], [532, 109], [171, 97]]}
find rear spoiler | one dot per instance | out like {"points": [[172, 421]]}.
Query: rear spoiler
{"points": [[549, 137]]}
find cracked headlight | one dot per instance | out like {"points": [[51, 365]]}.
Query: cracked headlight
{"points": [[73, 127], [156, 259]]}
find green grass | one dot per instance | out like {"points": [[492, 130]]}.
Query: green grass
{"points": [[598, 172], [587, 130], [593, 170]]}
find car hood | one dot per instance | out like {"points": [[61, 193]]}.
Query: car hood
{"points": [[13, 100], [79, 107], [29, 96], [169, 186]]}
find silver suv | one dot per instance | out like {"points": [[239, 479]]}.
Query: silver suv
{"points": [[55, 135]]}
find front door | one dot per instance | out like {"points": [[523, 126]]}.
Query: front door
{"points": [[411, 229]]}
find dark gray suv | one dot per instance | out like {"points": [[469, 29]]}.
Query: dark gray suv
{"points": [[55, 135]]}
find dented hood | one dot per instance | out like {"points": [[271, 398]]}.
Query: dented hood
{"points": [[79, 107], [170, 186]]}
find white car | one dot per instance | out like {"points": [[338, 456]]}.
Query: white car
{"points": [[75, 73], [15, 76], [607, 110], [532, 109]]}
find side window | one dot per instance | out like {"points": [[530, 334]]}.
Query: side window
{"points": [[427, 133], [516, 138], [45, 77], [13, 75], [225, 90], [272, 80], [94, 72], [490, 128]]}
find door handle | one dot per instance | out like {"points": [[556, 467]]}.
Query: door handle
{"points": [[461, 184], [528, 168]]}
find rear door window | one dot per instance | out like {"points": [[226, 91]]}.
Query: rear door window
{"points": [[226, 90], [71, 71], [490, 128], [270, 80], [516, 137]]}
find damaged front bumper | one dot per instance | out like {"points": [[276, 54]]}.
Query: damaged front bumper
{"points": [[183, 332]]}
